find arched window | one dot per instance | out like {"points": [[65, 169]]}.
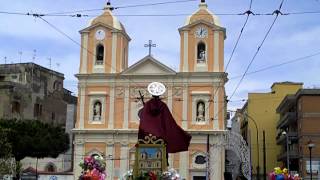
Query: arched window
{"points": [[200, 111], [50, 167], [97, 111], [201, 53], [57, 85], [99, 54]]}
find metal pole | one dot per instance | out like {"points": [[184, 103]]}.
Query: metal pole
{"points": [[208, 158], [288, 160], [249, 143], [37, 169], [264, 156], [310, 163], [257, 137]]}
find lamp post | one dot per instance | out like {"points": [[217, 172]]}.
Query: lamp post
{"points": [[257, 138], [310, 146], [287, 143]]}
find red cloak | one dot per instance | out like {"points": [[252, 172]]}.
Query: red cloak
{"points": [[156, 119]]}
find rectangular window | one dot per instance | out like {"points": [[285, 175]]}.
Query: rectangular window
{"points": [[199, 178], [315, 167], [15, 107]]}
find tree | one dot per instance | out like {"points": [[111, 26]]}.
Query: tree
{"points": [[32, 138], [5, 153]]}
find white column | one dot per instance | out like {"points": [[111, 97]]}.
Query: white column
{"points": [[185, 51], [185, 107], [110, 163], [78, 157], [84, 54], [184, 164], [126, 108], [114, 52], [216, 64], [170, 160], [111, 110], [216, 162], [124, 158], [82, 98], [216, 109]]}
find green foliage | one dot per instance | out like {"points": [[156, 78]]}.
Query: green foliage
{"points": [[32, 138], [5, 146]]}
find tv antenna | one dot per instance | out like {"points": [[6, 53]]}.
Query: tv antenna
{"points": [[20, 54], [34, 55], [49, 59]]}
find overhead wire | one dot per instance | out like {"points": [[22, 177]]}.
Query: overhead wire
{"points": [[119, 7], [276, 12], [248, 13], [80, 45], [278, 65], [78, 15]]}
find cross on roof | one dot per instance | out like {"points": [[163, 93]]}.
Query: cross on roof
{"points": [[150, 45]]}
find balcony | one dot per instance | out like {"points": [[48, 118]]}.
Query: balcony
{"points": [[281, 139], [287, 119], [293, 154]]}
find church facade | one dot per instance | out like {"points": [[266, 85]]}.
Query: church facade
{"points": [[107, 113]]}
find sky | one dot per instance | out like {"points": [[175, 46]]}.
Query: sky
{"points": [[292, 36]]}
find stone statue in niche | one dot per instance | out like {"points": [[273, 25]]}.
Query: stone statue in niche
{"points": [[202, 56], [200, 112], [97, 111]]}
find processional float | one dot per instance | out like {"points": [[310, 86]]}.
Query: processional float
{"points": [[158, 135]]}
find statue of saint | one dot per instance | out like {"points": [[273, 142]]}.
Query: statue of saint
{"points": [[202, 56], [200, 112], [97, 111]]}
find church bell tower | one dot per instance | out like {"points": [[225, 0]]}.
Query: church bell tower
{"points": [[104, 45], [202, 42]]}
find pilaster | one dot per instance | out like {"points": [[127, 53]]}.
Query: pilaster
{"points": [[216, 46], [111, 110]]}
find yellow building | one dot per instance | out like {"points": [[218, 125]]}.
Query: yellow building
{"points": [[107, 119], [260, 108]]}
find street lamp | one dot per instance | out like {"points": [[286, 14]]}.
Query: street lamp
{"points": [[287, 143], [257, 137], [310, 146]]}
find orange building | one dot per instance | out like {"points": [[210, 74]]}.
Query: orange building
{"points": [[107, 119]]}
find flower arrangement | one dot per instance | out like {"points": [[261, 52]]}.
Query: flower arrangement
{"points": [[93, 168], [282, 174]]}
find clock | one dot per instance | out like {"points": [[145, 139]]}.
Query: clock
{"points": [[201, 32], [156, 89], [100, 34]]}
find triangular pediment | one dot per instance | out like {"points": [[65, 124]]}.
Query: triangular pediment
{"points": [[89, 28], [148, 66], [213, 26]]}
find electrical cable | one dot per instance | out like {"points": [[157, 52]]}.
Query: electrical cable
{"points": [[276, 12], [119, 7], [249, 12], [155, 15], [278, 65]]}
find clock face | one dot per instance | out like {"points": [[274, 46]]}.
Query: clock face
{"points": [[156, 89], [100, 34], [201, 32]]}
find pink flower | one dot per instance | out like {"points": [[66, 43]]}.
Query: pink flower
{"points": [[102, 176]]}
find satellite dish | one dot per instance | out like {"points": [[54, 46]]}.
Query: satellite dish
{"points": [[156, 89]]}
